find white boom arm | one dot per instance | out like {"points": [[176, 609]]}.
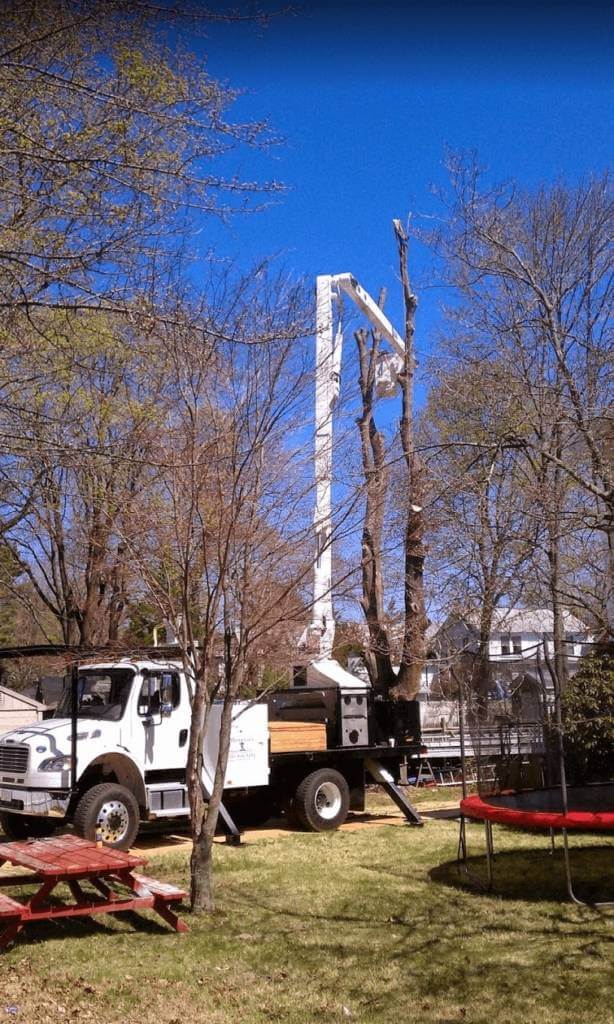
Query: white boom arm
{"points": [[321, 631]]}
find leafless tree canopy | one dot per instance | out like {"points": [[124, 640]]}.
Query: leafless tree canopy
{"points": [[524, 386]]}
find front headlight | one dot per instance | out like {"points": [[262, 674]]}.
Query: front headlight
{"points": [[55, 764]]}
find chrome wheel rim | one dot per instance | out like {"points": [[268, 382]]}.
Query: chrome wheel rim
{"points": [[112, 822], [328, 800]]}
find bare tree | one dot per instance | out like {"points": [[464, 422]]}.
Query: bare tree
{"points": [[227, 530], [110, 133], [535, 274], [409, 494], [81, 440], [109, 136], [413, 651], [481, 531], [375, 464]]}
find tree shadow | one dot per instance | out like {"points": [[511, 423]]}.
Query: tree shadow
{"points": [[421, 946]]}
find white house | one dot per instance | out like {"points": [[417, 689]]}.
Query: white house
{"points": [[18, 709], [517, 636], [515, 679], [519, 632]]}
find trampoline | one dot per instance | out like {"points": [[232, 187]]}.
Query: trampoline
{"points": [[589, 808], [573, 809], [513, 751]]}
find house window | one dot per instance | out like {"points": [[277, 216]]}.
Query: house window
{"points": [[510, 643]]}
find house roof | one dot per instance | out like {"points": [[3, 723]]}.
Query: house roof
{"points": [[23, 697], [528, 620]]}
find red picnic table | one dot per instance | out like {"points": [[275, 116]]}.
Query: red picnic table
{"points": [[112, 883]]}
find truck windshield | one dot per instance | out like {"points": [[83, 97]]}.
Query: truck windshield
{"points": [[102, 694]]}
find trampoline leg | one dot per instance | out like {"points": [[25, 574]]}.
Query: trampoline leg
{"points": [[552, 843], [461, 856], [461, 853], [489, 852], [568, 878], [569, 881]]}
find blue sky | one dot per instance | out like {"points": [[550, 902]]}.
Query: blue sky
{"points": [[368, 97]]}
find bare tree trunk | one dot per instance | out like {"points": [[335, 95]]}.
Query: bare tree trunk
{"points": [[414, 644], [196, 797], [558, 626], [609, 595], [378, 658], [553, 498], [202, 897], [482, 668], [117, 602]]}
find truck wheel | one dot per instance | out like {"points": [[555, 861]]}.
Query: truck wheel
{"points": [[322, 800], [24, 826], [108, 812]]}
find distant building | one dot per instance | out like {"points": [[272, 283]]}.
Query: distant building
{"points": [[18, 709], [518, 634], [516, 688]]}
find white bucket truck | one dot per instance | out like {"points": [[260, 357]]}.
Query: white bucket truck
{"points": [[132, 736], [133, 725], [124, 760]]}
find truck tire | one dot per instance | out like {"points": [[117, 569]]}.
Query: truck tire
{"points": [[322, 800], [24, 826], [108, 812]]}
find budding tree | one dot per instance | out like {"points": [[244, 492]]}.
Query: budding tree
{"points": [[225, 534], [110, 138]]}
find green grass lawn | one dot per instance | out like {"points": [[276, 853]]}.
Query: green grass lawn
{"points": [[372, 925]]}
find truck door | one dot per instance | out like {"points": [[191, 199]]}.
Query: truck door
{"points": [[164, 713]]}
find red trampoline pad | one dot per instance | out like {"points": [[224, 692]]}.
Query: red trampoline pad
{"points": [[590, 808]]}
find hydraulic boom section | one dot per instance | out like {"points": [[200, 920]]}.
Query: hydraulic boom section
{"points": [[320, 634]]}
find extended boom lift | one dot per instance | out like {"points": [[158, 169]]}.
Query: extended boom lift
{"points": [[320, 634]]}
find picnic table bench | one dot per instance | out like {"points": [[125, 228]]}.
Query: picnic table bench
{"points": [[112, 884]]}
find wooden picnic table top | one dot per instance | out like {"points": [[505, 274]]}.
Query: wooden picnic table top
{"points": [[67, 856]]}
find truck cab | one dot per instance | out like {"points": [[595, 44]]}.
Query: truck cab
{"points": [[133, 727]]}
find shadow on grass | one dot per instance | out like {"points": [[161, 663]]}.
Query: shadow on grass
{"points": [[535, 875], [86, 927], [425, 948], [444, 814]]}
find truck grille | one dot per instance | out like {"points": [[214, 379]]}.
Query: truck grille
{"points": [[14, 758]]}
